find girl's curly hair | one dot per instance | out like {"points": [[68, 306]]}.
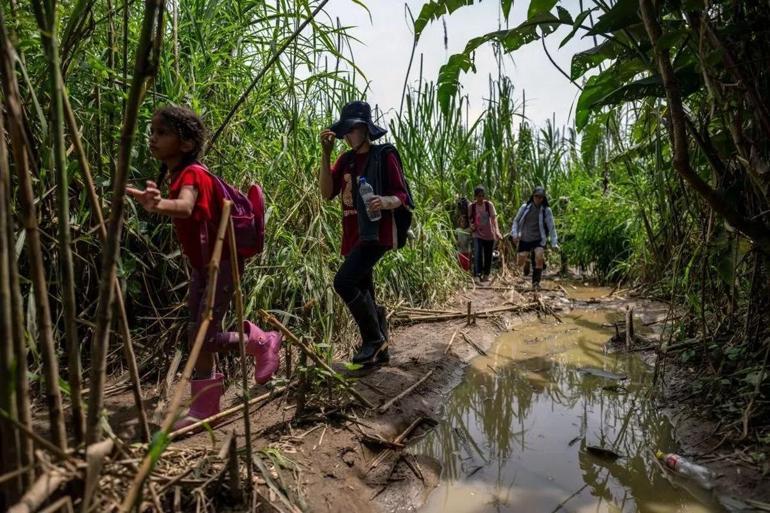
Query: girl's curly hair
{"points": [[188, 126]]}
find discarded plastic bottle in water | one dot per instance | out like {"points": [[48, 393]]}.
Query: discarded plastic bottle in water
{"points": [[367, 193], [683, 467]]}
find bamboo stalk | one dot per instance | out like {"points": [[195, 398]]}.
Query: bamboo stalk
{"points": [[176, 402], [270, 319], [29, 220], [11, 459], [385, 407], [47, 24], [234, 260], [125, 332], [23, 410], [144, 67]]}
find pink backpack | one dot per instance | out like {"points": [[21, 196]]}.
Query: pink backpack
{"points": [[248, 215]]}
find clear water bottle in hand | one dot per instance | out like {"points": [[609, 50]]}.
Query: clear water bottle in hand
{"points": [[683, 467], [367, 193]]}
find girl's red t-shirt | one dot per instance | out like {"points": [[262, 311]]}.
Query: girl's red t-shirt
{"points": [[344, 181], [197, 233]]}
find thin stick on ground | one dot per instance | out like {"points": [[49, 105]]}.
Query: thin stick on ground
{"points": [[270, 319], [398, 440], [149, 460], [473, 344], [241, 348], [449, 345], [385, 407], [40, 491]]}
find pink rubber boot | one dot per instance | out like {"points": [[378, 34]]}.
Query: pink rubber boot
{"points": [[264, 347], [205, 394]]}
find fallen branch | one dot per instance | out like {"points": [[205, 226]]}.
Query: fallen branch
{"points": [[270, 319], [464, 315], [40, 491], [271, 484], [95, 455], [473, 345], [398, 440], [449, 345], [224, 414], [385, 407]]}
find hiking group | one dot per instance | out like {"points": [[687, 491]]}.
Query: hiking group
{"points": [[376, 216], [478, 231]]}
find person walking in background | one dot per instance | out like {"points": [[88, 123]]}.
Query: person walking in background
{"points": [[464, 241], [531, 228], [483, 221]]}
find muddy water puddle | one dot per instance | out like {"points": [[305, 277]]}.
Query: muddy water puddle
{"points": [[521, 431]]}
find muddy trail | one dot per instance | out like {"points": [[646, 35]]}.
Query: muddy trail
{"points": [[519, 410]]}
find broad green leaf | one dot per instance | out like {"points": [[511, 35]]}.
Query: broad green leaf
{"points": [[511, 40], [434, 10], [575, 26], [537, 7], [592, 135], [564, 15], [621, 15], [583, 61]]}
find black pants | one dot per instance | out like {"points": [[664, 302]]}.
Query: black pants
{"points": [[356, 272], [482, 259]]}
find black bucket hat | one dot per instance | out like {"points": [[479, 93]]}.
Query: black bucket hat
{"points": [[355, 113]]}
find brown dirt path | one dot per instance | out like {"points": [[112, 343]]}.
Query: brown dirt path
{"points": [[331, 465]]}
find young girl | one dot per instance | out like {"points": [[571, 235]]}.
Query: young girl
{"points": [[194, 204]]}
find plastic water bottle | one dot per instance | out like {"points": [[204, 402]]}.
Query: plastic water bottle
{"points": [[367, 193], [683, 467]]}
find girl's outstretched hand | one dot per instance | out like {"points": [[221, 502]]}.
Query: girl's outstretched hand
{"points": [[148, 198]]}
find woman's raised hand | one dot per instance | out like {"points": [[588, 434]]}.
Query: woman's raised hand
{"points": [[327, 141]]}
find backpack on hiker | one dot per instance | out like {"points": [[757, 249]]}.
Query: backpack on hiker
{"points": [[248, 215], [473, 209], [402, 216]]}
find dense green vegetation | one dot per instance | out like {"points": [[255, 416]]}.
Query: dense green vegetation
{"points": [[662, 183]]}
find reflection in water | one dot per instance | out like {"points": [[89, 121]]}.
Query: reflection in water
{"points": [[514, 434]]}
